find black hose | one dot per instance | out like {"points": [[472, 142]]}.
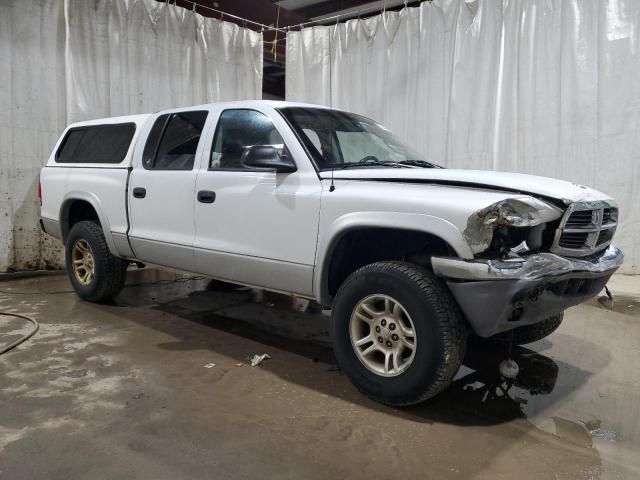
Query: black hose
{"points": [[26, 337]]}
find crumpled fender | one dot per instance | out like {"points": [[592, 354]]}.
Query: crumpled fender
{"points": [[515, 212], [394, 220]]}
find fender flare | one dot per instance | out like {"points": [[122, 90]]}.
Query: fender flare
{"points": [[94, 201], [393, 220]]}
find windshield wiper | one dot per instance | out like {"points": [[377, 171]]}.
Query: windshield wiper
{"points": [[419, 163], [369, 163], [384, 163]]}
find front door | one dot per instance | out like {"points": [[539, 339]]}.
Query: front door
{"points": [[256, 226], [161, 190]]}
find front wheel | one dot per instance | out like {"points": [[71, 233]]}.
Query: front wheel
{"points": [[397, 333], [96, 275]]}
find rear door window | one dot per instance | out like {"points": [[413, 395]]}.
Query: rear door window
{"points": [[173, 141], [96, 144]]}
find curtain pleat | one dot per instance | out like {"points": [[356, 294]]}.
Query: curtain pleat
{"points": [[545, 87], [73, 60]]}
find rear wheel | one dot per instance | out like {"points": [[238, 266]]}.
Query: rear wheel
{"points": [[95, 274], [397, 333]]}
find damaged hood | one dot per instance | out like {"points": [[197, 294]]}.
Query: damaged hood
{"points": [[566, 192]]}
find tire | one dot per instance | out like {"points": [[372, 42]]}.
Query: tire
{"points": [[438, 325], [109, 272], [527, 333]]}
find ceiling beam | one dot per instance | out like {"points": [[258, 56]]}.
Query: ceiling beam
{"points": [[259, 11], [327, 7]]}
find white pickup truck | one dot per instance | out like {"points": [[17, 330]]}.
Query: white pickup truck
{"points": [[328, 205]]}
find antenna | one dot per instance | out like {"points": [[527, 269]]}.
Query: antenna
{"points": [[331, 133], [332, 187]]}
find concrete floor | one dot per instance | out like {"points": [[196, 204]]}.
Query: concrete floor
{"points": [[120, 391]]}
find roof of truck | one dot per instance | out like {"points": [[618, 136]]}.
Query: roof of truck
{"points": [[255, 103], [140, 118], [137, 119]]}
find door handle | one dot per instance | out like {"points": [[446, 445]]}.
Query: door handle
{"points": [[139, 192], [206, 196]]}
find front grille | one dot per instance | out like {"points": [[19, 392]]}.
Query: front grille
{"points": [[580, 218], [573, 239], [585, 229], [605, 237]]}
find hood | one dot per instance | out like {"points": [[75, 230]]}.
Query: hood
{"points": [[550, 188]]}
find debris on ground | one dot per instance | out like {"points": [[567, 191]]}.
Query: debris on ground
{"points": [[604, 434], [258, 359], [209, 365], [239, 364]]}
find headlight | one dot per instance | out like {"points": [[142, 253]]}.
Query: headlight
{"points": [[512, 212]]}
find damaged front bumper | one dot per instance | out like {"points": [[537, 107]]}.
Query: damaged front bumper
{"points": [[498, 295]]}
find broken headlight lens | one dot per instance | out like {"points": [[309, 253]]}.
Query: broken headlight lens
{"points": [[511, 212]]}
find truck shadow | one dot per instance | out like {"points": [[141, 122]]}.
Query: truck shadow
{"points": [[478, 396]]}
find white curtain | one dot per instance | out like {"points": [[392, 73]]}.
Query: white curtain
{"points": [[64, 61], [547, 87]]}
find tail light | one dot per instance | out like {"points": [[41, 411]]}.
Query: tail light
{"points": [[39, 191]]}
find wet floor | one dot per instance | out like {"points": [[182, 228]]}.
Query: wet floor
{"points": [[157, 385]]}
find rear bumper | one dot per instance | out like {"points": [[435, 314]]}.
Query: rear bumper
{"points": [[497, 296], [52, 227]]}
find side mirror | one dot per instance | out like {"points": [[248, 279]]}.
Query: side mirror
{"points": [[266, 156]]}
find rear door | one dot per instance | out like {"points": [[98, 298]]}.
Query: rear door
{"points": [[161, 192]]}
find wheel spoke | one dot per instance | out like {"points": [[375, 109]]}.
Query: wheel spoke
{"points": [[388, 306], [364, 318], [396, 359], [387, 360], [368, 310], [396, 312], [372, 348], [89, 276], [407, 332], [80, 261], [364, 341], [408, 343]]}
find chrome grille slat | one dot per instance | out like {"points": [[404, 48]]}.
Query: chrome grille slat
{"points": [[585, 228], [589, 228], [581, 220]]}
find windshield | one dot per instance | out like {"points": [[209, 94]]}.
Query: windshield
{"points": [[343, 140]]}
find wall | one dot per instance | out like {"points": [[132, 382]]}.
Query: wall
{"points": [[64, 61], [545, 87]]}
